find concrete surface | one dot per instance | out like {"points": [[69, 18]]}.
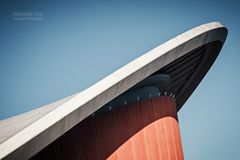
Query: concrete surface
{"points": [[23, 136]]}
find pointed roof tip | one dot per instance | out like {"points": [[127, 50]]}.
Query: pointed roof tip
{"points": [[74, 110]]}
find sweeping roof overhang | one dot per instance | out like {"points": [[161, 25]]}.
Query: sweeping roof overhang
{"points": [[186, 58]]}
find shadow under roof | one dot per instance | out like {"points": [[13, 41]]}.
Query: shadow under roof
{"points": [[186, 58]]}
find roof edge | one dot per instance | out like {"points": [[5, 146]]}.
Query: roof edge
{"points": [[46, 129]]}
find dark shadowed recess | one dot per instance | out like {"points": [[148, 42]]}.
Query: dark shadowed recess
{"points": [[187, 71], [181, 77]]}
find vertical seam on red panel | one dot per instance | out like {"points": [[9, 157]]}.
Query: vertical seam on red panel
{"points": [[174, 141], [130, 131], [164, 130], [144, 131], [145, 143], [95, 130], [177, 142], [155, 119], [171, 139], [129, 127], [173, 113], [174, 129], [114, 131]]}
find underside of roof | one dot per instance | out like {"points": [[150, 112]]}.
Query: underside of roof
{"points": [[185, 59]]}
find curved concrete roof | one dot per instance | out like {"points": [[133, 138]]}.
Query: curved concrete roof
{"points": [[24, 135]]}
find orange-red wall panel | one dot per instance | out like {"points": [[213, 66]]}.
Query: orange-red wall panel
{"points": [[142, 130], [105, 134], [66, 148], [136, 126], [122, 132], [86, 139]]}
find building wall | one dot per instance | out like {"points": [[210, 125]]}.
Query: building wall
{"points": [[142, 130]]}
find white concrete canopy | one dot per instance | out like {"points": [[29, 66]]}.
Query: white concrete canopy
{"points": [[24, 135]]}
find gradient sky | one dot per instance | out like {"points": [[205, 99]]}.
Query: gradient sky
{"points": [[77, 44]]}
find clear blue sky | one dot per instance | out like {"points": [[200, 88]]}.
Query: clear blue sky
{"points": [[78, 43]]}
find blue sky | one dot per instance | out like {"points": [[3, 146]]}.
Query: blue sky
{"points": [[76, 44]]}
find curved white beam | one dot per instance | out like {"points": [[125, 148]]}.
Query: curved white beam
{"points": [[31, 137]]}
